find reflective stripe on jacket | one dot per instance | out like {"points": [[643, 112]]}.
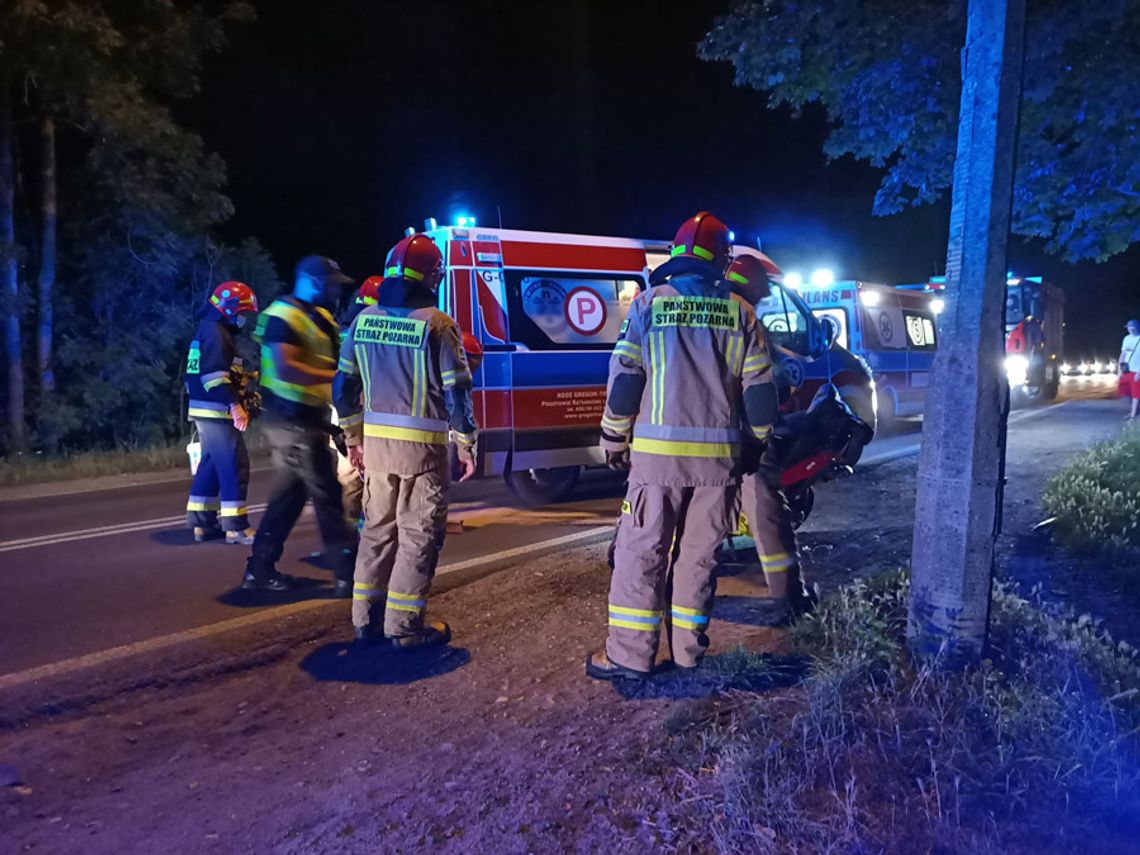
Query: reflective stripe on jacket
{"points": [[402, 382], [688, 357]]}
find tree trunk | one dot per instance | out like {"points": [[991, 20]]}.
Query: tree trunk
{"points": [[959, 478], [47, 260], [9, 275]]}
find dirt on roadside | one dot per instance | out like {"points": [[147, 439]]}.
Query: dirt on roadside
{"points": [[497, 743]]}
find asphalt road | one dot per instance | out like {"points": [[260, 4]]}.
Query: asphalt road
{"points": [[87, 571]]}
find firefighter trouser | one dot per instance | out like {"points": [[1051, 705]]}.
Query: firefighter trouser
{"points": [[770, 522], [303, 467], [652, 515], [351, 490], [405, 519], [219, 488]]}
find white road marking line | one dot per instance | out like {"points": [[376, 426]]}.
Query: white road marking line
{"points": [[58, 489], [467, 512], [102, 531], [66, 666], [906, 450]]}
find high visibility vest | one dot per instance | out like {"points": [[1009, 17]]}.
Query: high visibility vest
{"points": [[317, 352]]}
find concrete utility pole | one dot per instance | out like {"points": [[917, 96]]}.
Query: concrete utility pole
{"points": [[963, 433]]}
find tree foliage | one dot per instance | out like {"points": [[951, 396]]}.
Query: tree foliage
{"points": [[887, 72], [140, 202]]}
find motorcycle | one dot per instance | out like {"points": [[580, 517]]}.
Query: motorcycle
{"points": [[808, 448]]}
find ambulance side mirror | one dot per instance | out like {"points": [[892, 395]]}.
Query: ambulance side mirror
{"points": [[828, 333]]}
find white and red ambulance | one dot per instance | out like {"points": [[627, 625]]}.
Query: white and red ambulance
{"points": [[548, 309], [893, 330]]}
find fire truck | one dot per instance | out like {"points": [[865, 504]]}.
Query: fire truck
{"points": [[1034, 333], [1034, 336], [548, 309]]}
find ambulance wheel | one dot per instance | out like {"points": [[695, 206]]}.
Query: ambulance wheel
{"points": [[542, 486]]}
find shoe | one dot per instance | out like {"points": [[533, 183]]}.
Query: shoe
{"points": [[202, 534], [245, 538], [268, 582], [342, 589], [367, 635], [601, 667], [431, 635]]}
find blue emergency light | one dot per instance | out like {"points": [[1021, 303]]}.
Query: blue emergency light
{"points": [[465, 221]]}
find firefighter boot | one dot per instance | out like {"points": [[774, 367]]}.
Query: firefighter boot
{"points": [[601, 667], [204, 533], [429, 635]]}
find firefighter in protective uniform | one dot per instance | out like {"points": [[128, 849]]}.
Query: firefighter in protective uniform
{"points": [[402, 385], [689, 369], [213, 370], [763, 502]]}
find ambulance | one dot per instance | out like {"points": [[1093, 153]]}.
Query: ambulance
{"points": [[893, 329], [548, 309]]}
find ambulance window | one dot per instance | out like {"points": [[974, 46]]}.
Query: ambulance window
{"points": [[784, 323], [920, 331], [568, 311]]}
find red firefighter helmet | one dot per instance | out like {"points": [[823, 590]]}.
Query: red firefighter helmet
{"points": [[748, 277], [416, 258], [474, 351], [704, 237], [369, 293], [233, 298]]}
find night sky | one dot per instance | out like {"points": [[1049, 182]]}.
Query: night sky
{"points": [[345, 122]]}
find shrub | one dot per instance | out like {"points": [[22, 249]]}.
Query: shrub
{"points": [[1037, 747], [1096, 498]]}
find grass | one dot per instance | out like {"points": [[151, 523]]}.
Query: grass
{"points": [[25, 469], [1036, 749], [1096, 498]]}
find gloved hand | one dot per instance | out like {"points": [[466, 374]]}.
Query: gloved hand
{"points": [[618, 460], [240, 416], [338, 440], [750, 456]]}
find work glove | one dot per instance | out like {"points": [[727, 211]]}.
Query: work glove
{"points": [[338, 440], [618, 460], [750, 456]]}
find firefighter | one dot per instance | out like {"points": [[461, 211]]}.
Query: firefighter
{"points": [[351, 482], [690, 367], [764, 504], [299, 340], [402, 383], [213, 380]]}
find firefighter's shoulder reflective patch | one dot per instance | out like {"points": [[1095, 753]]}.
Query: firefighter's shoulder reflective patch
{"points": [[685, 311], [626, 507], [193, 358], [388, 330]]}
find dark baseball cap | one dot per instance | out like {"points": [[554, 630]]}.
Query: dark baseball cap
{"points": [[320, 267]]}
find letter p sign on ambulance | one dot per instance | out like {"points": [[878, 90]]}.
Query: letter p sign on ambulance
{"points": [[585, 311]]}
